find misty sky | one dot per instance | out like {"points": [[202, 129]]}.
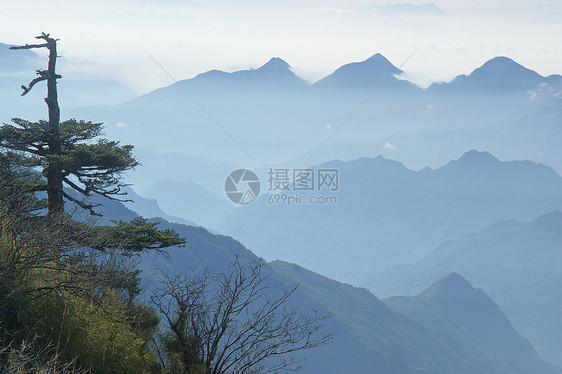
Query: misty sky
{"points": [[315, 37]]}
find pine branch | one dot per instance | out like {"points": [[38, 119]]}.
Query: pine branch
{"points": [[83, 205], [114, 192], [84, 191]]}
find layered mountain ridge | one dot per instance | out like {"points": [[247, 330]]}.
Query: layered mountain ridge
{"points": [[387, 214], [371, 336], [517, 263], [452, 305]]}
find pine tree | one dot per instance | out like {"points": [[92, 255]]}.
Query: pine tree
{"points": [[69, 291], [70, 153]]}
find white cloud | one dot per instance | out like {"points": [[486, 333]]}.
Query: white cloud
{"points": [[388, 145], [331, 11], [122, 125]]}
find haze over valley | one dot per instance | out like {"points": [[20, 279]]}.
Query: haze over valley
{"points": [[416, 214]]}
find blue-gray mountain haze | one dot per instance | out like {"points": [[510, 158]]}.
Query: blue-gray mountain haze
{"points": [[436, 184]]}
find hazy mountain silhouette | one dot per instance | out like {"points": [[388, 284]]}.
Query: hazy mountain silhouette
{"points": [[535, 137], [275, 74], [518, 264], [189, 199], [387, 214], [368, 74], [500, 74], [15, 61], [135, 206], [276, 116], [371, 336], [452, 305], [149, 208]]}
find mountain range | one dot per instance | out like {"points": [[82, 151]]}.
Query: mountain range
{"points": [[497, 75], [190, 199], [517, 263], [387, 214], [274, 116], [371, 335], [452, 305], [275, 74], [270, 116]]}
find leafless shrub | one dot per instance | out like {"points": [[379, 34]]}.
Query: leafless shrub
{"points": [[233, 322]]}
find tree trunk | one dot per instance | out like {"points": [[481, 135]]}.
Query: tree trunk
{"points": [[54, 168]]}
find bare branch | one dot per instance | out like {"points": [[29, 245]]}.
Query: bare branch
{"points": [[43, 36], [33, 83], [30, 46], [235, 322]]}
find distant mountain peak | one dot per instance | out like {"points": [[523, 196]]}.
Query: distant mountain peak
{"points": [[214, 73], [502, 66], [474, 156], [369, 73], [275, 64], [499, 74], [473, 160], [380, 63], [275, 72], [454, 279], [549, 221], [452, 284], [377, 57], [501, 61]]}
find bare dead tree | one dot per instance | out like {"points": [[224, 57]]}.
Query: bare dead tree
{"points": [[54, 171], [233, 322]]}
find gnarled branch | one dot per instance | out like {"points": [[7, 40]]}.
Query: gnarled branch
{"points": [[83, 205], [31, 84]]}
